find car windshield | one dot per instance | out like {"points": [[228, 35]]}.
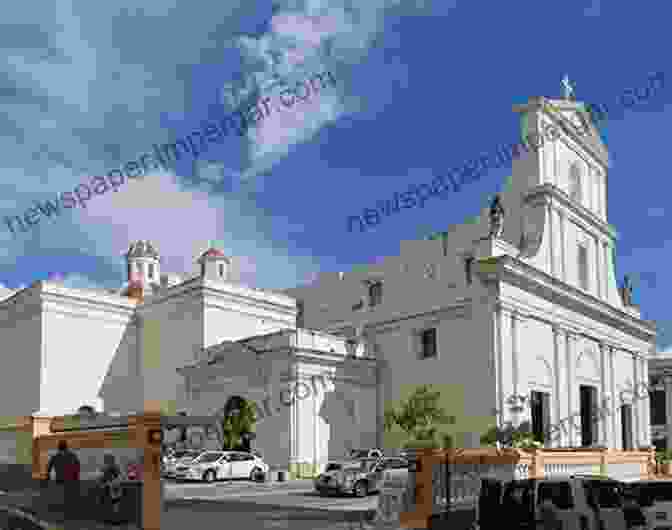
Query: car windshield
{"points": [[209, 457], [559, 493], [186, 454], [661, 492]]}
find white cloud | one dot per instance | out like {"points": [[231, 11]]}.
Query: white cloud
{"points": [[656, 212]]}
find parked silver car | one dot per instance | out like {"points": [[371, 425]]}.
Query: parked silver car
{"points": [[359, 477]]}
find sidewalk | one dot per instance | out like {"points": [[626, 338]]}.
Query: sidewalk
{"points": [[41, 507]]}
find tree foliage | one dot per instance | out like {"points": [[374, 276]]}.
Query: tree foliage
{"points": [[236, 422], [420, 417], [511, 436]]}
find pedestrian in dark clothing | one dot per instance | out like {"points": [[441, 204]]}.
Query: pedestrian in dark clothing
{"points": [[110, 484], [66, 466]]}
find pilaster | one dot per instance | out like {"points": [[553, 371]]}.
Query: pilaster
{"points": [[598, 269], [667, 381], [498, 359], [561, 411], [563, 244], [615, 416], [506, 356], [645, 401], [570, 348], [606, 435], [636, 405], [551, 238]]}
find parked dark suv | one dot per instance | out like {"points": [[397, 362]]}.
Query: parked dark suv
{"points": [[582, 503]]}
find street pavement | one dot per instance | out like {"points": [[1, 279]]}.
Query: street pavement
{"points": [[292, 505], [290, 494]]}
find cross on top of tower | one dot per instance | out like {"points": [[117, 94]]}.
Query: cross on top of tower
{"points": [[568, 88]]}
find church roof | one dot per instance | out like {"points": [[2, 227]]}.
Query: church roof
{"points": [[142, 249]]}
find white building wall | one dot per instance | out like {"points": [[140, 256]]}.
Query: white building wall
{"points": [[82, 335], [234, 312], [461, 372], [122, 388], [170, 336], [21, 354]]}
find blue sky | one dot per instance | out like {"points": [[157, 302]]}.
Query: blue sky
{"points": [[421, 87]]}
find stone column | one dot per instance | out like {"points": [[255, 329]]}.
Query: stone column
{"points": [[667, 380]]}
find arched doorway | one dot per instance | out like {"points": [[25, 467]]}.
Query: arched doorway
{"points": [[238, 418]]}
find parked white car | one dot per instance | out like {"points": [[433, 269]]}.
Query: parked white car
{"points": [[176, 458], [218, 465]]}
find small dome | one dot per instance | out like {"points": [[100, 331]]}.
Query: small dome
{"points": [[142, 249], [213, 253]]}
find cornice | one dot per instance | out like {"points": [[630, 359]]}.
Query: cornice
{"points": [[458, 310], [213, 296], [560, 326], [549, 193], [93, 316], [507, 268], [252, 293], [70, 302], [310, 354], [55, 292]]}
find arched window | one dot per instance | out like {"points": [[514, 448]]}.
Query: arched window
{"points": [[375, 293], [575, 182]]}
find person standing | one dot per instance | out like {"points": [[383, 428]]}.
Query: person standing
{"points": [[110, 487], [66, 467]]}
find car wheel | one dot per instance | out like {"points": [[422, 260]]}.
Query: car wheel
{"points": [[257, 475], [209, 476], [361, 489]]}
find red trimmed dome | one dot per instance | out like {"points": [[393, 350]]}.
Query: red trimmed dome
{"points": [[213, 253]]}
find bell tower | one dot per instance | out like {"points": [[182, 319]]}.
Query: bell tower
{"points": [[143, 264], [215, 265]]}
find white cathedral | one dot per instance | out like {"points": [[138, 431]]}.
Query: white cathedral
{"points": [[529, 311]]}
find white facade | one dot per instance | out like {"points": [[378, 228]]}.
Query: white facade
{"points": [[150, 344], [61, 347], [539, 313], [314, 398], [485, 315]]}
